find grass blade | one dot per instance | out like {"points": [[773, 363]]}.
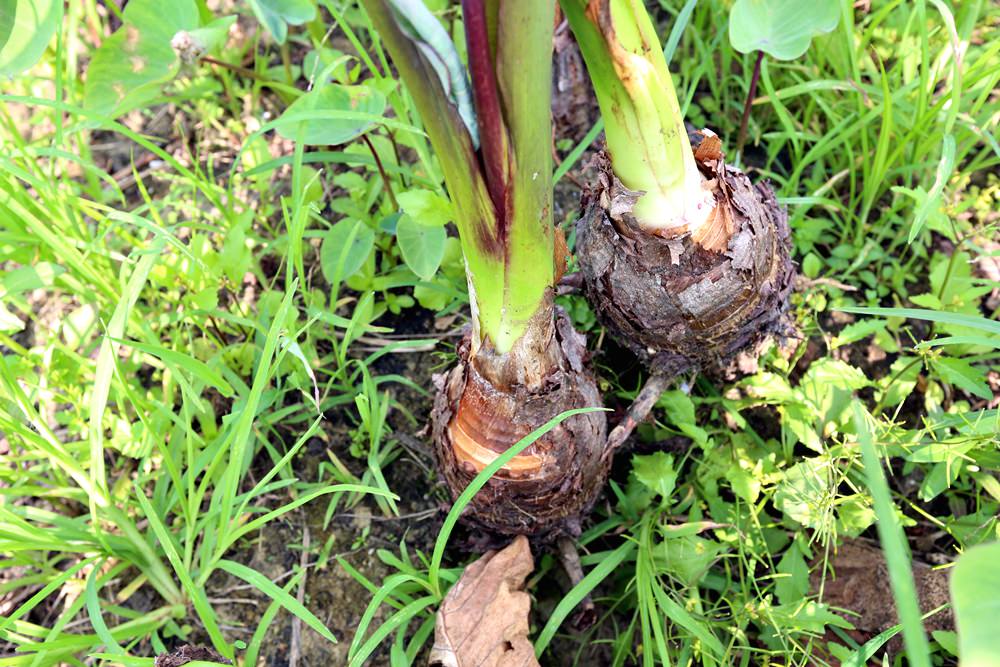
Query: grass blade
{"points": [[893, 546]]}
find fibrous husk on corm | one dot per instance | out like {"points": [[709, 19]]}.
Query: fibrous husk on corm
{"points": [[479, 413], [691, 301]]}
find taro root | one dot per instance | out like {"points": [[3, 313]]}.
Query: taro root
{"points": [[521, 364], [479, 413], [686, 300], [685, 261]]}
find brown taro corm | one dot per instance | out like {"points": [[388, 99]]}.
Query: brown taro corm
{"points": [[692, 301], [480, 412]]}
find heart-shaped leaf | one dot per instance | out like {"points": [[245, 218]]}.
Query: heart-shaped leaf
{"points": [[26, 26], [422, 246], [331, 114], [129, 68], [277, 15], [345, 248], [782, 29]]}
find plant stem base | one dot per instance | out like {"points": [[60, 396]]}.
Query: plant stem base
{"points": [[688, 302], [544, 492]]}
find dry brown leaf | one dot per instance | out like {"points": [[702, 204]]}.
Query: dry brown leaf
{"points": [[484, 619]]}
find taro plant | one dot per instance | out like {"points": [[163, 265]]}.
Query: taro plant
{"points": [[683, 259], [779, 28], [522, 362]]}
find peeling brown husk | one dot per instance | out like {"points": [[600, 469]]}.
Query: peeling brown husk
{"points": [[480, 413], [688, 302]]}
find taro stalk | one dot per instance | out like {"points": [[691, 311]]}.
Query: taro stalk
{"points": [[522, 363], [683, 259]]}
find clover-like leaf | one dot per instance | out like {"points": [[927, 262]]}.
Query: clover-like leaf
{"points": [[782, 29]]}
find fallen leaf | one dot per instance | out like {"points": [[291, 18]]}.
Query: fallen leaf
{"points": [[860, 584], [484, 618]]}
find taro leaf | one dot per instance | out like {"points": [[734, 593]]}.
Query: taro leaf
{"points": [[129, 68], [483, 620], [782, 29], [426, 207], [8, 8], [348, 241], [331, 114], [277, 15], [975, 594], [422, 246], [26, 26], [212, 36]]}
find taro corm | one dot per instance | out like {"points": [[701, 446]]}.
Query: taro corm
{"points": [[522, 363], [685, 261]]}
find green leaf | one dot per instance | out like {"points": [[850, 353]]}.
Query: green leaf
{"points": [[7, 11], [277, 15], [212, 37], [963, 375], [795, 585], [129, 68], [656, 471], [893, 542], [975, 594], [26, 27], [282, 597], [28, 278], [340, 255], [197, 368], [804, 495], [933, 200], [422, 246], [781, 28], [426, 207], [331, 114], [687, 557], [974, 321]]}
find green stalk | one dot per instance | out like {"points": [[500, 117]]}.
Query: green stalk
{"points": [[502, 191], [646, 137]]}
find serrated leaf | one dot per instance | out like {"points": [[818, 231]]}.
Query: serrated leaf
{"points": [[277, 15], [344, 249], [426, 207], [130, 67], [781, 28], [331, 114], [963, 375], [26, 27], [656, 472], [804, 495], [795, 585], [422, 246]]}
